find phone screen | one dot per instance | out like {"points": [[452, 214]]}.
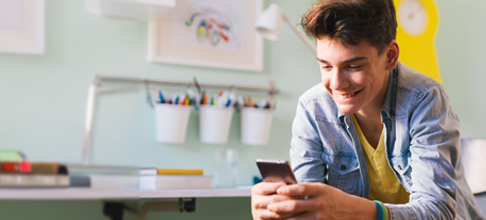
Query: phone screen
{"points": [[276, 171]]}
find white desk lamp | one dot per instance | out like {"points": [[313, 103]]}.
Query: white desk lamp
{"points": [[269, 25]]}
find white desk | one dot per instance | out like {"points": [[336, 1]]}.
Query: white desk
{"points": [[126, 195], [85, 193]]}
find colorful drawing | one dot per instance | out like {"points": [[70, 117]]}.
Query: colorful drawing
{"points": [[209, 33], [209, 28], [211, 24]]}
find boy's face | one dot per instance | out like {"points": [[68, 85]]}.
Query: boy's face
{"points": [[356, 77]]}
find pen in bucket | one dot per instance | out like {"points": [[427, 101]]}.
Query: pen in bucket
{"points": [[249, 102], [217, 99], [214, 101], [203, 95], [223, 100], [241, 101], [187, 100], [174, 98], [205, 99], [231, 100], [160, 95], [182, 99], [252, 103]]}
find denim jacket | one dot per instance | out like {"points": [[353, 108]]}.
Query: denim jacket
{"points": [[422, 139]]}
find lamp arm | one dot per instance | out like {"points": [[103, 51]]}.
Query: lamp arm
{"points": [[88, 124], [301, 35]]}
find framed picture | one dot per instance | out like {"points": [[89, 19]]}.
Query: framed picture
{"points": [[209, 33], [22, 26]]}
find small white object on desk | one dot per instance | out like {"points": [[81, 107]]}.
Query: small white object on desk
{"points": [[481, 199], [474, 162], [162, 182]]}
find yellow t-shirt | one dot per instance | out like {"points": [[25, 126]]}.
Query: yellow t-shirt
{"points": [[385, 185]]}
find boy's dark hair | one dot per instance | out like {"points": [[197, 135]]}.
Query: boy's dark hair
{"points": [[352, 21]]}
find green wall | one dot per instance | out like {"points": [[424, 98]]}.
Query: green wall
{"points": [[43, 99], [460, 48]]}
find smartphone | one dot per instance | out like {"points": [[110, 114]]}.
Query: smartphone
{"points": [[276, 171]]}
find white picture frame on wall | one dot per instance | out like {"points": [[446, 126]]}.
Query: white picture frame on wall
{"points": [[208, 33], [22, 25]]}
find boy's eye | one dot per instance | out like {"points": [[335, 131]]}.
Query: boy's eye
{"points": [[354, 67], [326, 67]]}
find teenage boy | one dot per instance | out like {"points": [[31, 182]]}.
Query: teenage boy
{"points": [[374, 140]]}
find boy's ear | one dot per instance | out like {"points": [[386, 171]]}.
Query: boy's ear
{"points": [[392, 53]]}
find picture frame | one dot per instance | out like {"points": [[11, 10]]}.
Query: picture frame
{"points": [[208, 33], [22, 24]]}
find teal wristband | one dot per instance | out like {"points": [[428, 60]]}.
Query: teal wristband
{"points": [[379, 209], [384, 211]]}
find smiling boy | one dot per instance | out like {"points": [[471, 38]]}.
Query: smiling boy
{"points": [[375, 139]]}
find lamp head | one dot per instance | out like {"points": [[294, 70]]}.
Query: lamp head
{"points": [[269, 23]]}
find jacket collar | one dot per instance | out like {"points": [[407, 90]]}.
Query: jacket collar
{"points": [[388, 108]]}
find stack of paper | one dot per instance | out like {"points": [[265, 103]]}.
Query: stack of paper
{"points": [[160, 179], [103, 177]]}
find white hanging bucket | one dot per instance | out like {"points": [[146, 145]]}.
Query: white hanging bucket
{"points": [[255, 125], [171, 122], [214, 124]]}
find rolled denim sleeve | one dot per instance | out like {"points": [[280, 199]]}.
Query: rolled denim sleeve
{"points": [[306, 146], [435, 154]]}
